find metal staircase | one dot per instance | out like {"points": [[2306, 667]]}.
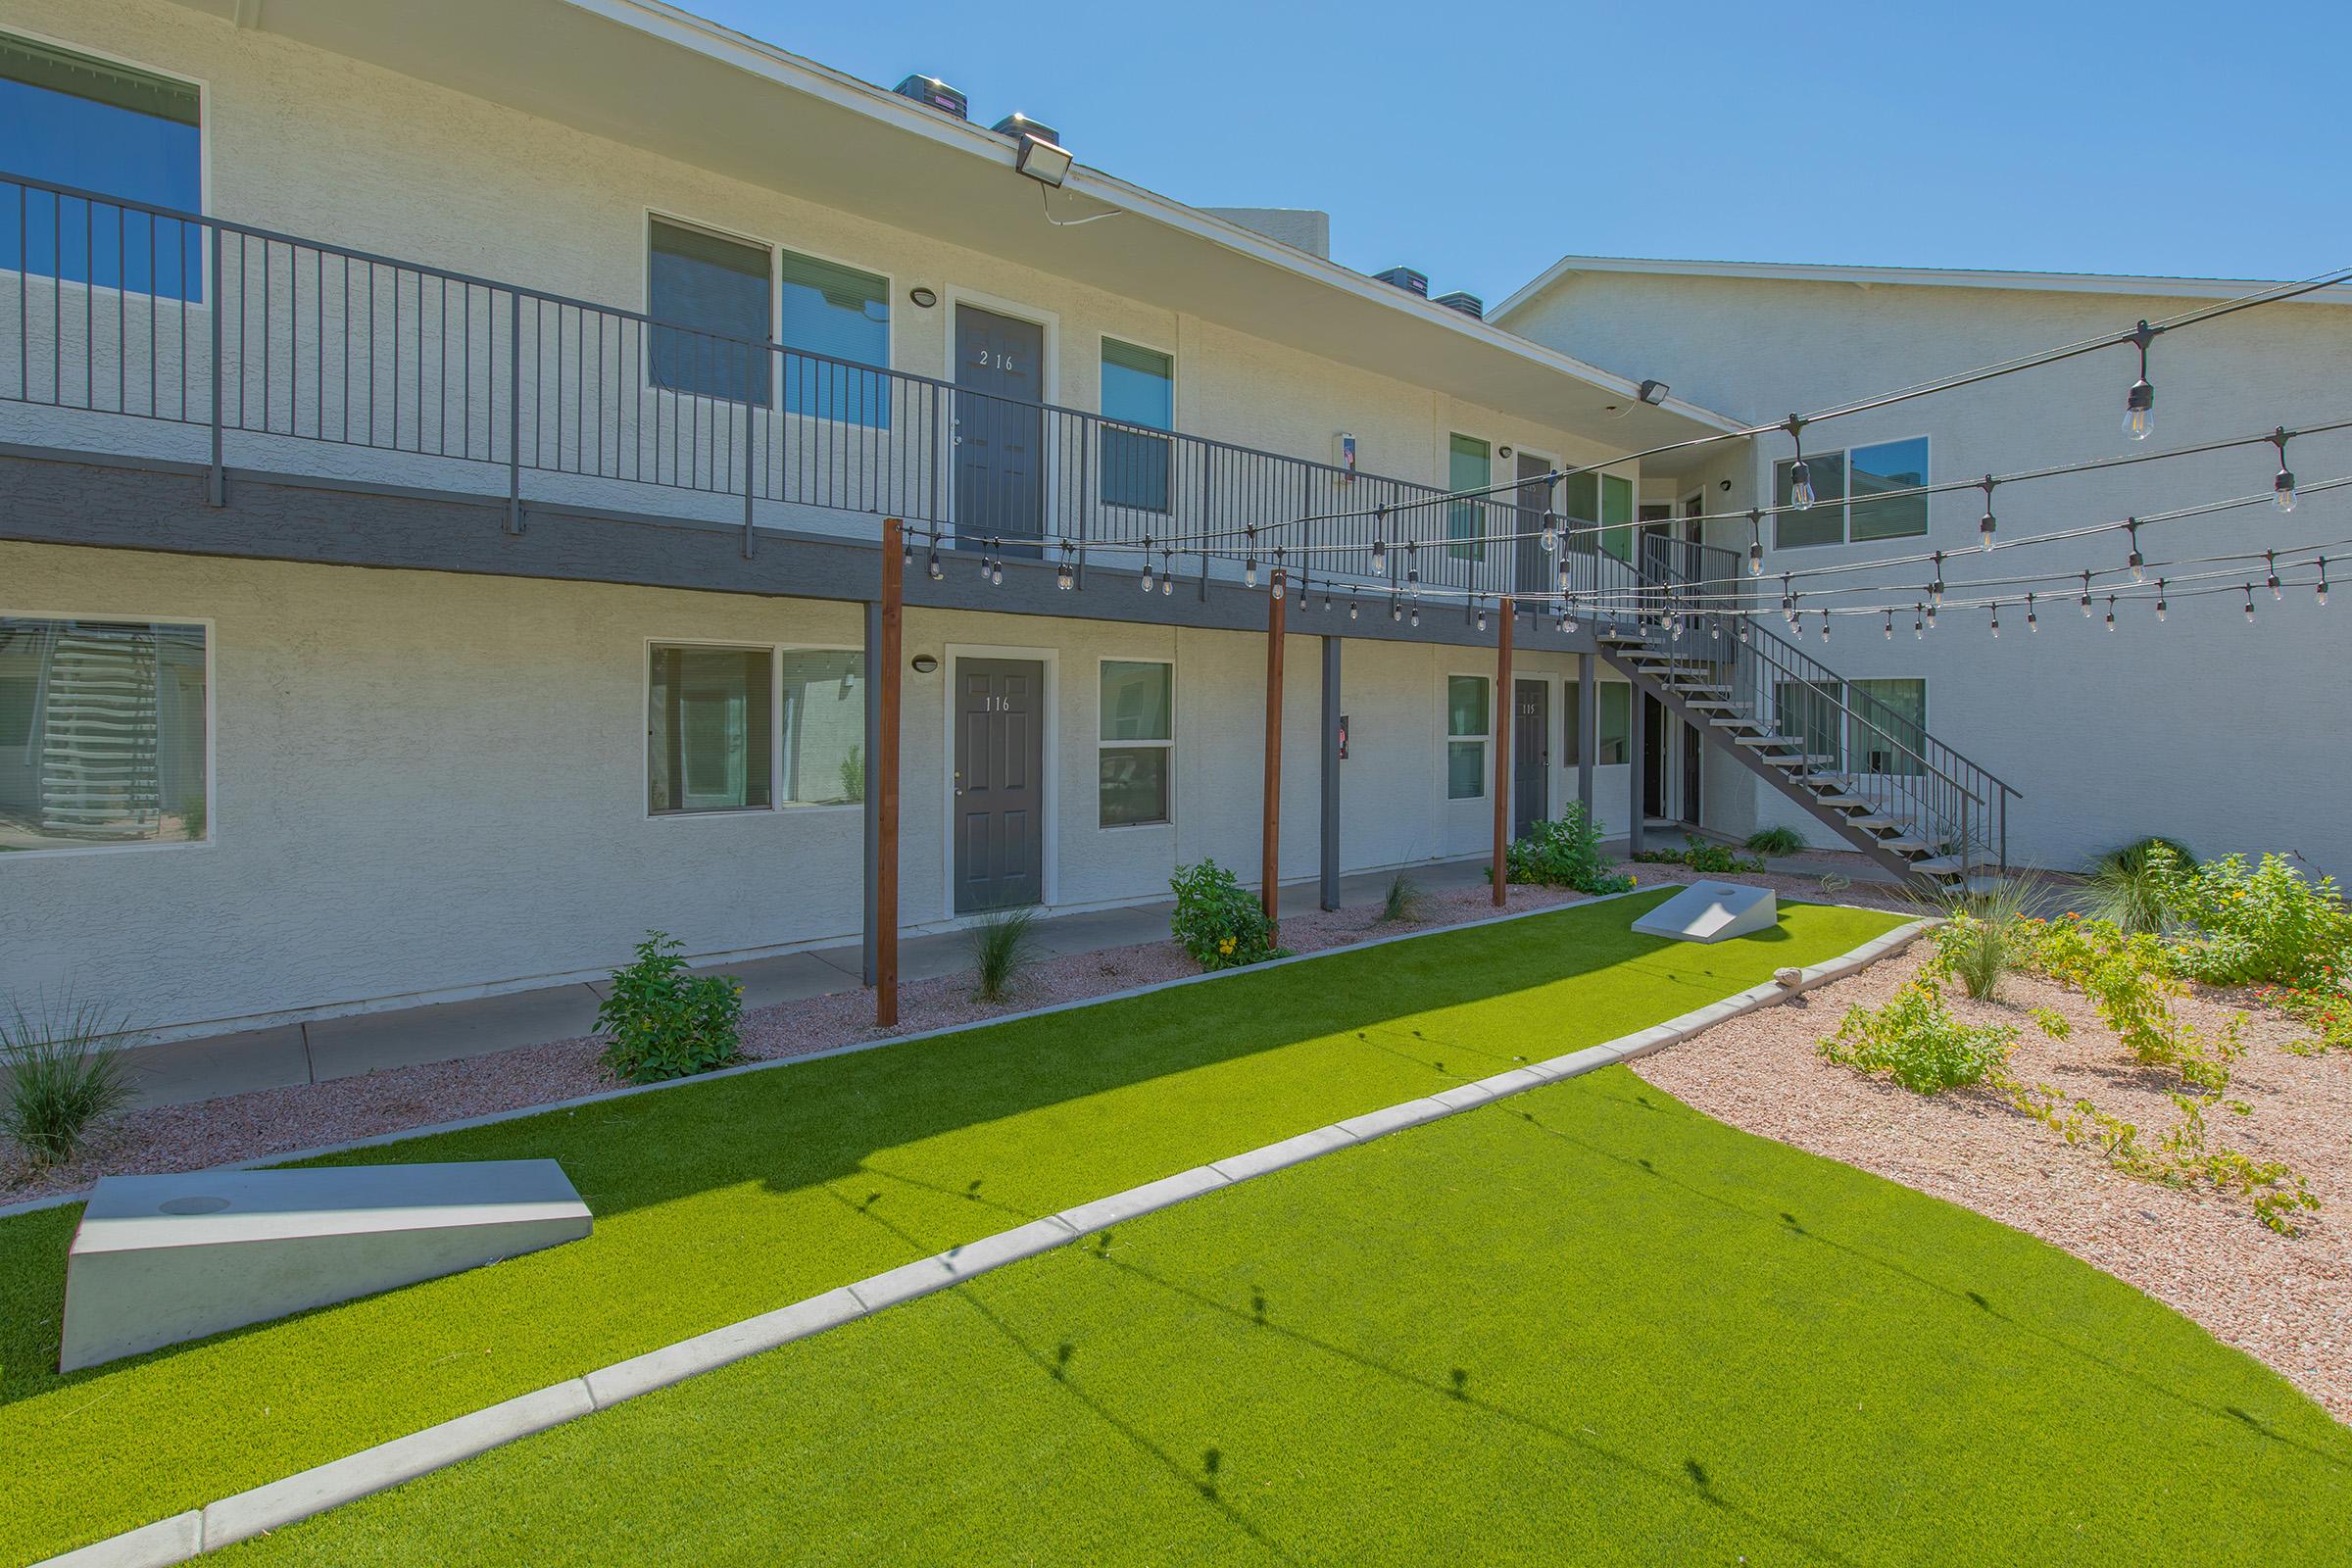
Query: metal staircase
{"points": [[1869, 771]]}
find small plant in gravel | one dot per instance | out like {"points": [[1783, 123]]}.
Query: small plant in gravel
{"points": [[1002, 944], [65, 1073], [2127, 978], [1776, 841], [1915, 1040], [2181, 1158], [1984, 936], [660, 1022], [1564, 852], [2321, 1005], [2238, 925], [2126, 885], [1218, 920], [1402, 903]]}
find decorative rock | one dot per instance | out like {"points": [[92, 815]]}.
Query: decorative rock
{"points": [[1788, 979]]}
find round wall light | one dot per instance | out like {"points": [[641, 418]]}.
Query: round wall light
{"points": [[925, 664], [922, 297], [1503, 452]]}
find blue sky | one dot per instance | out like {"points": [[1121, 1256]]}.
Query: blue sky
{"points": [[1478, 142]]}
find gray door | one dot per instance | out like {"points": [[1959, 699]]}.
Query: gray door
{"points": [[1000, 783], [999, 490], [1531, 754], [1536, 573]]}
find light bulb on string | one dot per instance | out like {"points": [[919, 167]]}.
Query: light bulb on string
{"points": [[2135, 560], [932, 568], [1800, 476], [1148, 583], [2160, 604], [1996, 620], [1415, 617], [2140, 404], [1755, 544], [1412, 563], [907, 551], [1788, 600], [1167, 574], [1277, 589], [2086, 595], [1481, 617], [2111, 611], [2269, 566], [2249, 604], [1891, 625], [1396, 608], [1985, 524], [996, 569], [1931, 618], [1918, 626], [1935, 584], [1743, 628], [2283, 486], [1061, 571], [1352, 606], [2032, 621], [1825, 625], [1250, 573], [1549, 539], [2323, 582]]}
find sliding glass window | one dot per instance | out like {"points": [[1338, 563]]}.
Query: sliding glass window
{"points": [[715, 290], [104, 734], [835, 323], [1139, 388]]}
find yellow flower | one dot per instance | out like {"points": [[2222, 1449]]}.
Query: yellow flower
{"points": [[1225, 945]]}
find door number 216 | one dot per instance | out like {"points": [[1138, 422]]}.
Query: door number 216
{"points": [[1002, 362]]}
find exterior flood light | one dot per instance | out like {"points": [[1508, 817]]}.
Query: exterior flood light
{"points": [[1045, 162], [1654, 393]]}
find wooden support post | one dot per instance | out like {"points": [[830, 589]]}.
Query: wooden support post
{"points": [[1504, 706], [885, 781], [1270, 863]]}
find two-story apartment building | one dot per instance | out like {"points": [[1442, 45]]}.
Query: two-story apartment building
{"points": [[445, 449], [443, 452]]}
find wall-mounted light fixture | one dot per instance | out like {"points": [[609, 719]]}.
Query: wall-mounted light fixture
{"points": [[1654, 393], [922, 297], [925, 664], [1503, 453], [1045, 162]]}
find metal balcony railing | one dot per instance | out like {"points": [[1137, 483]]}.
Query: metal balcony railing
{"points": [[126, 317]]}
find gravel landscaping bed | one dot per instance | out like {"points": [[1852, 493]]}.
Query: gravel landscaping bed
{"points": [[2285, 1300], [269, 1121]]}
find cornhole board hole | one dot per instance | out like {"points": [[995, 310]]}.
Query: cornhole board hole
{"points": [[160, 1259], [1709, 911]]}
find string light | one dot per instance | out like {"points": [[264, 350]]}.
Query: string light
{"points": [[1891, 625], [2032, 621], [1931, 618], [1250, 573], [2249, 604], [1412, 563], [1167, 574], [1148, 584], [1352, 606], [1278, 586], [1380, 541], [2111, 611], [1996, 620], [2137, 562], [1062, 577], [1788, 600], [1415, 617], [1396, 608], [2160, 606], [1481, 617], [1985, 526], [2323, 582], [1755, 544], [933, 567], [1550, 537], [907, 551], [2283, 487], [2140, 404], [1935, 584], [1918, 628], [1801, 477], [2086, 595], [1825, 625], [2269, 566]]}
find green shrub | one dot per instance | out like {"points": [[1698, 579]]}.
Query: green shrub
{"points": [[1403, 901], [1984, 936], [1002, 946], [2237, 926], [1776, 841], [853, 775], [2125, 976], [1915, 1040], [661, 1023], [65, 1073], [2124, 885], [1700, 854], [1564, 853], [1218, 921]]}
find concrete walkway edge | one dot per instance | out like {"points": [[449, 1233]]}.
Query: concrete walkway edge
{"points": [[298, 1497]]}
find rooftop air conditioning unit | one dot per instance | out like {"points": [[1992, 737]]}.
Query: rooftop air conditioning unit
{"points": [[1018, 126], [1405, 278], [1468, 303], [934, 93]]}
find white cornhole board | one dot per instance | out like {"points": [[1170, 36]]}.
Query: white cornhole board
{"points": [[1709, 911], [163, 1258]]}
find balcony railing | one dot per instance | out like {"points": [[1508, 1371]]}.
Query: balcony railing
{"points": [[272, 352]]}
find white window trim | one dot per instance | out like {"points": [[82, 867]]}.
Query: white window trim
{"points": [[1175, 412], [1448, 739], [776, 804], [1846, 504], [1476, 543], [212, 704], [203, 113], [1167, 822]]}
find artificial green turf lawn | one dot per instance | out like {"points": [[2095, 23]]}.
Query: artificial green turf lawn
{"points": [[718, 1201], [1585, 1324]]}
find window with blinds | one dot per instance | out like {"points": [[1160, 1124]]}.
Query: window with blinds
{"points": [[835, 329], [715, 290], [1139, 388]]}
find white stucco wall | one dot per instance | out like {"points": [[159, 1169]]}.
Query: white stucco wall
{"points": [[430, 784], [322, 146], [2225, 735]]}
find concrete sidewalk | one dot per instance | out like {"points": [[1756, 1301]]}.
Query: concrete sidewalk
{"points": [[184, 1071]]}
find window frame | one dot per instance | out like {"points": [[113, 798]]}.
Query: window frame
{"points": [[212, 727], [776, 804], [204, 117], [769, 329], [1175, 405], [775, 330], [1485, 738], [1845, 503], [1600, 732], [1470, 547], [1102, 663]]}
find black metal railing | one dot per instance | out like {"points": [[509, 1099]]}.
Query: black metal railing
{"points": [[118, 307], [1844, 735]]}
